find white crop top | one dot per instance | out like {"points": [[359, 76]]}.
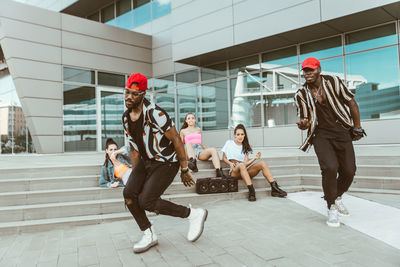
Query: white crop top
{"points": [[233, 151]]}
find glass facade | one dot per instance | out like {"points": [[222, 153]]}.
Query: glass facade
{"points": [[129, 14], [258, 90], [14, 132], [92, 110]]}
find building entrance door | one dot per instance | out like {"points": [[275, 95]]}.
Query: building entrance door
{"points": [[110, 107]]}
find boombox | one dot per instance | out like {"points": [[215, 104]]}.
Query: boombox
{"points": [[216, 185]]}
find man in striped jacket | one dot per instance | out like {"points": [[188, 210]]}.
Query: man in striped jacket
{"points": [[328, 110]]}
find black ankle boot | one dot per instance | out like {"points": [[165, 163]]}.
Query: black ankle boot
{"points": [[252, 193], [276, 191], [220, 173], [193, 165]]}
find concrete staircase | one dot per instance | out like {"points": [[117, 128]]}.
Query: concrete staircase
{"points": [[42, 197]]}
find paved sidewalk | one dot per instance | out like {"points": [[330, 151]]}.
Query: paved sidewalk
{"points": [[268, 232]]}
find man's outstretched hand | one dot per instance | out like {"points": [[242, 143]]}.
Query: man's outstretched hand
{"points": [[187, 178], [303, 124]]}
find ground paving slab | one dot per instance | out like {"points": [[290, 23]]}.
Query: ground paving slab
{"points": [[268, 232]]}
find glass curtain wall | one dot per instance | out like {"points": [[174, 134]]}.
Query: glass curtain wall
{"points": [[260, 88], [14, 132]]}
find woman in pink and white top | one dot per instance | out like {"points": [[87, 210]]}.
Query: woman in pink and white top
{"points": [[236, 155], [191, 137]]}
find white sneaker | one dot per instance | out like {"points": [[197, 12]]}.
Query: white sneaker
{"points": [[148, 240], [341, 208], [196, 218], [333, 217]]}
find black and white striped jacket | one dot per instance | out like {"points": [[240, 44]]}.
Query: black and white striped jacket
{"points": [[338, 96], [155, 123]]}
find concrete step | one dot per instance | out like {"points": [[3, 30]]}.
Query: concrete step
{"points": [[371, 182], [362, 170], [58, 195], [35, 225], [60, 210], [62, 182], [49, 171]]}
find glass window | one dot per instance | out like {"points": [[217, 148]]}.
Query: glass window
{"points": [[283, 79], [246, 101], [166, 100], [321, 49], [282, 57], [213, 72], [123, 6], [279, 110], [112, 108], [79, 118], [187, 102], [187, 78], [161, 8], [376, 86], [139, 3], [333, 66], [124, 21], [214, 106], [78, 75], [142, 12], [164, 82], [107, 13], [95, 16], [249, 63], [371, 38], [111, 79]]}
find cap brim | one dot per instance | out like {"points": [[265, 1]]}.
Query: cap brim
{"points": [[309, 67]]}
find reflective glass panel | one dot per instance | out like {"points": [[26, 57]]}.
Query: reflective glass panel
{"points": [[112, 108], [123, 6], [246, 101], [187, 78], [142, 14], [371, 38], [14, 134], [164, 82], [95, 16], [213, 72], [214, 105], [124, 21], [79, 118], [78, 75], [161, 8], [107, 13], [376, 87], [282, 79], [278, 58], [187, 102], [166, 100], [249, 63], [321, 49], [111, 79], [279, 110]]}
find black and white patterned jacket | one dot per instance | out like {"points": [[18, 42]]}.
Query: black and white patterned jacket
{"points": [[156, 122]]}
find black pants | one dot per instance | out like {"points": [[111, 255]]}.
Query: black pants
{"points": [[335, 152], [148, 181]]}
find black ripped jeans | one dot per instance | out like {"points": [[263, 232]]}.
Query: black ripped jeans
{"points": [[147, 182], [335, 152]]}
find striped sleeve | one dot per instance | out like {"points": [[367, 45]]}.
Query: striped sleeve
{"points": [[344, 91], [161, 119], [127, 133], [301, 104]]}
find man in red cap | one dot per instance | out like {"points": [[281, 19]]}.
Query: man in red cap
{"points": [[156, 153], [323, 104]]}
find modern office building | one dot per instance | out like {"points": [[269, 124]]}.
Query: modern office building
{"points": [[226, 61]]}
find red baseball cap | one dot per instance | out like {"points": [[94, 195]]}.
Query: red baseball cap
{"points": [[311, 63], [138, 78]]}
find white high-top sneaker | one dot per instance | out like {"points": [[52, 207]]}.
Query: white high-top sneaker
{"points": [[196, 218], [333, 217], [341, 208], [148, 240]]}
